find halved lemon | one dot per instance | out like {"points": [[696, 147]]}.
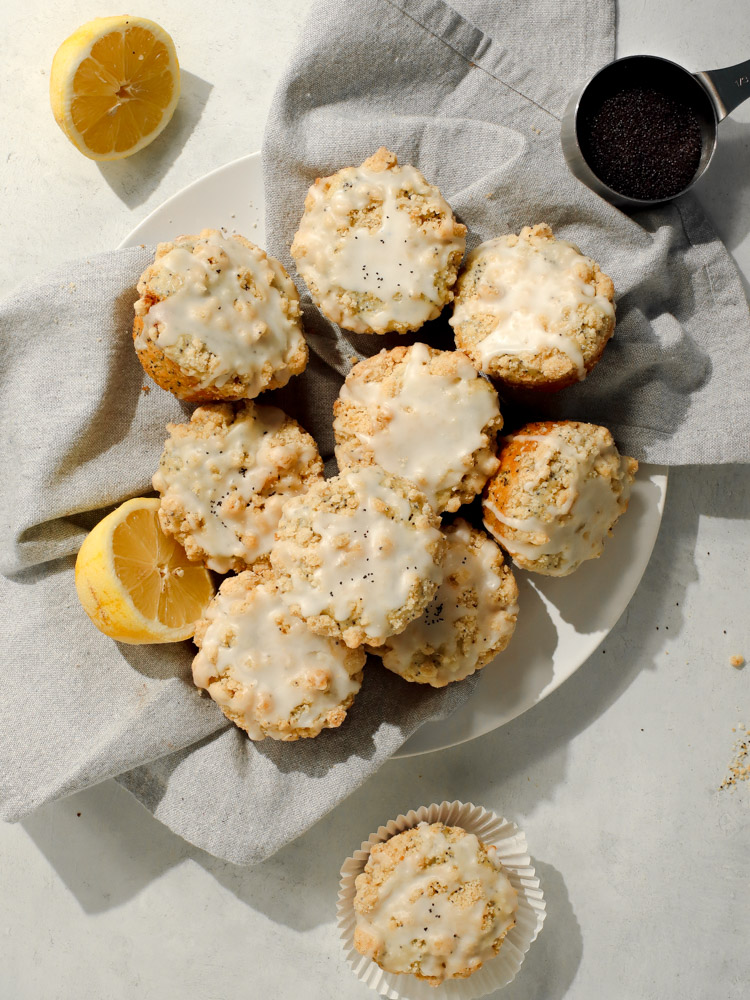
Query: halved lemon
{"points": [[135, 583], [114, 85]]}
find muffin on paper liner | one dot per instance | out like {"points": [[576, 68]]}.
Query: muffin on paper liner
{"points": [[512, 853]]}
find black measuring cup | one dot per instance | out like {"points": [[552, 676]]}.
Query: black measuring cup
{"points": [[706, 97]]}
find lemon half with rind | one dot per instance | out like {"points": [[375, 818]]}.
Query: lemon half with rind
{"points": [[135, 583], [114, 85]]}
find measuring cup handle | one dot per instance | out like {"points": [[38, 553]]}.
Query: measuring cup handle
{"points": [[727, 87]]}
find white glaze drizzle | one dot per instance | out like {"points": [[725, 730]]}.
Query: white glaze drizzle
{"points": [[412, 923], [369, 564], [280, 672], [397, 262], [243, 328], [530, 290], [577, 527], [218, 481], [434, 634], [434, 424]]}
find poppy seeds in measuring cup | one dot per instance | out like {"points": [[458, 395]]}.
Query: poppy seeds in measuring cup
{"points": [[642, 143]]}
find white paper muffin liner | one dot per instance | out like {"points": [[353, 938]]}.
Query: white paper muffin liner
{"points": [[512, 853]]}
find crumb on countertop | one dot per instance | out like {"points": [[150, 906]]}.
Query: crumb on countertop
{"points": [[737, 661], [739, 766], [146, 389]]}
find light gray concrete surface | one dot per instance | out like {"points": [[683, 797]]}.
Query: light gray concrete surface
{"points": [[615, 778]]}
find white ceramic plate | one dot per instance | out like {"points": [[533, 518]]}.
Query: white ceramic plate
{"points": [[561, 621]]}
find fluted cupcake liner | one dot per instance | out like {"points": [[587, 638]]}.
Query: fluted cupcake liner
{"points": [[512, 853]]}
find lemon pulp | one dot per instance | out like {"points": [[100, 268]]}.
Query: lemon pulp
{"points": [[114, 85], [137, 584]]}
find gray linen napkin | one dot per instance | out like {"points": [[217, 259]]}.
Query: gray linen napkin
{"points": [[81, 435], [476, 107], [473, 94]]}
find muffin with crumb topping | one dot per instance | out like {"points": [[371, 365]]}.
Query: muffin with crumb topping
{"points": [[358, 556], [265, 669], [433, 902], [532, 310], [378, 247], [224, 476], [470, 619], [560, 489], [423, 414], [217, 319]]}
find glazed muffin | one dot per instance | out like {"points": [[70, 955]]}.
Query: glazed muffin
{"points": [[434, 902], [265, 669], [471, 619], [359, 555], [378, 247], [560, 489], [532, 310], [224, 476], [424, 414], [217, 319]]}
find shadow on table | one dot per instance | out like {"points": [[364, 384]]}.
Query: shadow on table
{"points": [[136, 177], [104, 845], [107, 848], [554, 957]]}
